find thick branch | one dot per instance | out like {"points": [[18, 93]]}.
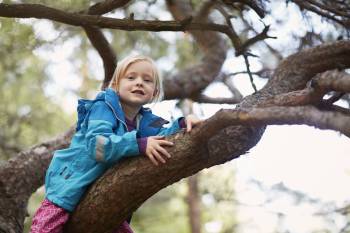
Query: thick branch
{"points": [[194, 79], [295, 71], [44, 12], [78, 19], [332, 81], [307, 115], [22, 176], [215, 100]]}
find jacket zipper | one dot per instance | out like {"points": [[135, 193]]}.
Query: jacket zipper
{"points": [[117, 116]]}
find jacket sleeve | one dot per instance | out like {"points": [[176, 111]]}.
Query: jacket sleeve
{"points": [[173, 128], [102, 143]]}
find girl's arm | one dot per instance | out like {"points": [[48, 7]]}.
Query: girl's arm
{"points": [[176, 126], [187, 122], [102, 144]]}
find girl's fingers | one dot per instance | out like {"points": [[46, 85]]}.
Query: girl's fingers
{"points": [[165, 143], [158, 156], [163, 151], [153, 160], [158, 137], [189, 125]]}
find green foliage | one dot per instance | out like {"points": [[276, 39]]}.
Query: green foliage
{"points": [[33, 204], [27, 116], [147, 43], [164, 212], [167, 211], [217, 189], [187, 52]]}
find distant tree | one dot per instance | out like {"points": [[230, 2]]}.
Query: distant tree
{"points": [[295, 93]]}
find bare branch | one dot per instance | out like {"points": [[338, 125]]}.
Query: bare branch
{"points": [[99, 41], [228, 82], [195, 78], [307, 115], [314, 93], [106, 6], [334, 108], [216, 100], [325, 11], [43, 12], [258, 8], [245, 55], [294, 72], [259, 37], [332, 81], [75, 19], [306, 96], [204, 10], [236, 41]]}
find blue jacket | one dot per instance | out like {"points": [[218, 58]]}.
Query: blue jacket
{"points": [[100, 141]]}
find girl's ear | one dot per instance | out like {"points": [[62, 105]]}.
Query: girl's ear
{"points": [[155, 92]]}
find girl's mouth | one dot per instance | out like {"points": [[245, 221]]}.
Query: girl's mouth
{"points": [[140, 92]]}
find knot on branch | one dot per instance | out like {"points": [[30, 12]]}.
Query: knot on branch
{"points": [[186, 21]]}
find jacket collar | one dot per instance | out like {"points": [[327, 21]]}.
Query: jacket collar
{"points": [[112, 99]]}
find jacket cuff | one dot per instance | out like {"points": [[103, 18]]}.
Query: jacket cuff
{"points": [[182, 122], [142, 142]]}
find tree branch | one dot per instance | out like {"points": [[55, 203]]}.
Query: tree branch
{"points": [[332, 81], [21, 176], [75, 19], [215, 100], [192, 80], [325, 11], [294, 72], [106, 6], [99, 41], [109, 58], [308, 115]]}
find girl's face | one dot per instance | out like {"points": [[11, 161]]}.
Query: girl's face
{"points": [[138, 85]]}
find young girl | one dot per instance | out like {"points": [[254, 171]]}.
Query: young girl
{"points": [[113, 126]]}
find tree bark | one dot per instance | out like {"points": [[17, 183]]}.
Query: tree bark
{"points": [[126, 186], [223, 137], [21, 176]]}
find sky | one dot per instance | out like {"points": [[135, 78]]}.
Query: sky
{"points": [[305, 159]]}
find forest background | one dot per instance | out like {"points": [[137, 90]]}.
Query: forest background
{"points": [[294, 180]]}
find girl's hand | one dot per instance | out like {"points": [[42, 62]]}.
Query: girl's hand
{"points": [[192, 121], [155, 150]]}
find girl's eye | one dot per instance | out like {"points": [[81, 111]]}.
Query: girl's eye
{"points": [[130, 78]]}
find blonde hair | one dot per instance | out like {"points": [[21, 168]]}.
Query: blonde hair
{"points": [[124, 64]]}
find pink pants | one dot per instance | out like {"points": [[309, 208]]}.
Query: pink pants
{"points": [[50, 218]]}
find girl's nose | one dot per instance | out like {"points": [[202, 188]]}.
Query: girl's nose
{"points": [[139, 81]]}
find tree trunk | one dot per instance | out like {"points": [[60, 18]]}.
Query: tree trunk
{"points": [[193, 200]]}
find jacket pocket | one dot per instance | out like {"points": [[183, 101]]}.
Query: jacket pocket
{"points": [[83, 162]]}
